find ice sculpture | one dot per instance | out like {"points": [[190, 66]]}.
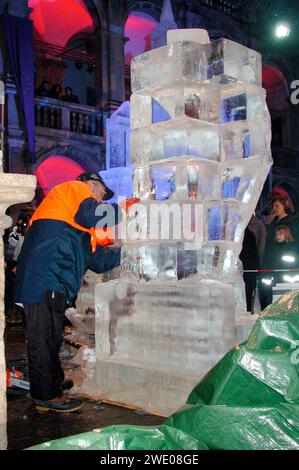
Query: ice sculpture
{"points": [[118, 173], [200, 138], [118, 138]]}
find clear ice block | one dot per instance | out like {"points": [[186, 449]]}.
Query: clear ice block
{"points": [[228, 60], [155, 221], [218, 260], [176, 179], [186, 221], [176, 138], [153, 334], [189, 138], [209, 102], [184, 178], [221, 61], [242, 180], [150, 261], [172, 62], [163, 261], [225, 222], [241, 140]]}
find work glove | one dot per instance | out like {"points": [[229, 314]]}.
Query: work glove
{"points": [[13, 238], [125, 204]]}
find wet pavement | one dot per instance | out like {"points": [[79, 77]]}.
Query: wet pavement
{"points": [[27, 427]]}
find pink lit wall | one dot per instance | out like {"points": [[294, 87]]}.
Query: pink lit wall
{"points": [[55, 170], [58, 20], [138, 28]]}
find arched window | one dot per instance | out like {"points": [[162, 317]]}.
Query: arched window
{"points": [[57, 21]]}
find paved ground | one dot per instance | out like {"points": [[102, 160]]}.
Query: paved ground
{"points": [[26, 427]]}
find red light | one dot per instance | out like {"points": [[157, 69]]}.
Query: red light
{"points": [[55, 170], [58, 20], [271, 75]]}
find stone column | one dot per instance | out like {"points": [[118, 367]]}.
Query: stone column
{"points": [[113, 67], [14, 189], [14, 155], [113, 64]]}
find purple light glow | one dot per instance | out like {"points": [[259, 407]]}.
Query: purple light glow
{"points": [[138, 28], [57, 21], [55, 170]]}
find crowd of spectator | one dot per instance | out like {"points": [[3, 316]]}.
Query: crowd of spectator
{"points": [[13, 241], [56, 92], [270, 253]]}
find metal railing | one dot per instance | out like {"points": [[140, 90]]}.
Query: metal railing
{"points": [[71, 117], [47, 49]]}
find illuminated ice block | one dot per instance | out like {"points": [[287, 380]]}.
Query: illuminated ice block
{"points": [[174, 261], [176, 179], [229, 61], [155, 339], [150, 261], [220, 61], [185, 137], [155, 221], [184, 178], [200, 145], [210, 102], [163, 65], [175, 138]]}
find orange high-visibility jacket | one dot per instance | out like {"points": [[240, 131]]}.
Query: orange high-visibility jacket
{"points": [[62, 203], [56, 251]]}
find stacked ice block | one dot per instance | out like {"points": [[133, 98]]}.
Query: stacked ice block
{"points": [[200, 142]]}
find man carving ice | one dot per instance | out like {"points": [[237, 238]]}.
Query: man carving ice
{"points": [[59, 247]]}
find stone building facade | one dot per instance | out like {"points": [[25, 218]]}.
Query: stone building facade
{"points": [[77, 131]]}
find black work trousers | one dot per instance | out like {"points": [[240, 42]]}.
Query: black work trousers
{"points": [[44, 325]]}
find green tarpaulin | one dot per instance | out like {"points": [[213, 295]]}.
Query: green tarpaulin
{"points": [[248, 401]]}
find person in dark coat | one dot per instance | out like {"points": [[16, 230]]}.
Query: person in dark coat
{"points": [[58, 248], [250, 259], [69, 96], [282, 216], [44, 89], [257, 227], [56, 92], [282, 255]]}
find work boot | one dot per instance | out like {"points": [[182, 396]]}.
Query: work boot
{"points": [[60, 405]]}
